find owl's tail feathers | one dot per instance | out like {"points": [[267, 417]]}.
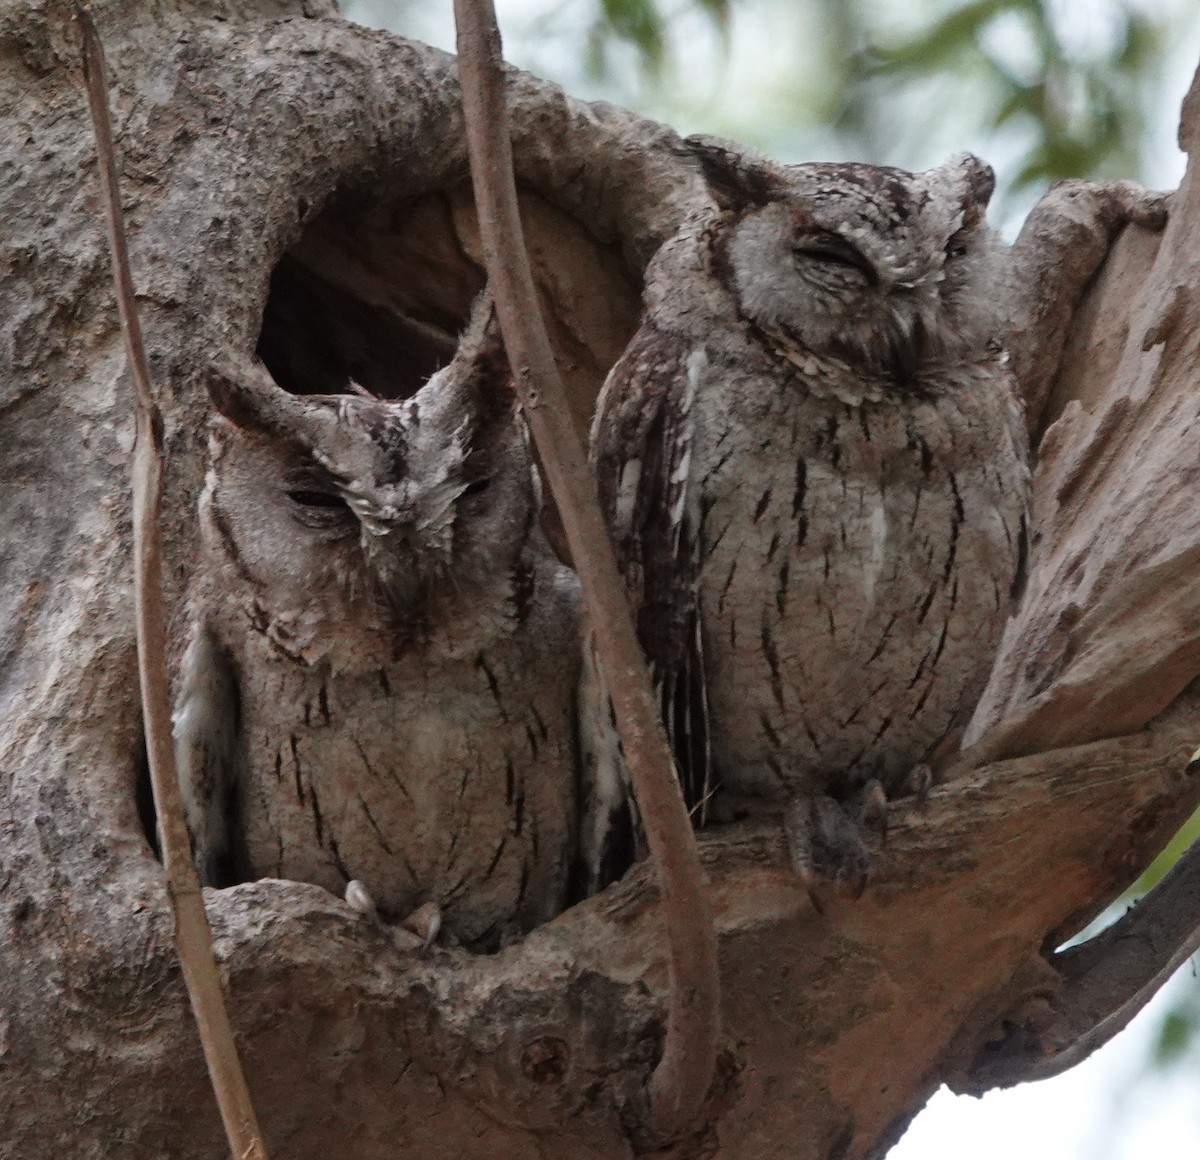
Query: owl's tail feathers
{"points": [[610, 837], [206, 722]]}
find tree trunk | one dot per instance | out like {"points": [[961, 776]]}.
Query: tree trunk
{"points": [[278, 161]]}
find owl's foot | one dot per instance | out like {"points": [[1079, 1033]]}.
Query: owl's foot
{"points": [[424, 922], [826, 846], [359, 898], [919, 782]]}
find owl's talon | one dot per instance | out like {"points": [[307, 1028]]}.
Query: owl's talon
{"points": [[875, 807], [920, 782], [800, 850], [826, 847], [359, 897], [424, 922]]}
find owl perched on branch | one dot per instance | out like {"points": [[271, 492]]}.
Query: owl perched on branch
{"points": [[813, 460], [379, 680]]}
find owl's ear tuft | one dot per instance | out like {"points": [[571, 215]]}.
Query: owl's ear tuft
{"points": [[979, 177], [482, 341], [481, 362], [737, 177], [980, 180], [249, 398], [233, 399]]}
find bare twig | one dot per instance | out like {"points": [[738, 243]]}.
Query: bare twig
{"points": [[193, 938], [681, 1080]]}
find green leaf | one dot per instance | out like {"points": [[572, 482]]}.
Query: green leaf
{"points": [[1189, 833], [638, 23], [949, 37], [1027, 100], [1175, 1036]]}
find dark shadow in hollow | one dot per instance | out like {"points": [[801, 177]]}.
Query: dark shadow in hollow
{"points": [[316, 338], [144, 798], [372, 295]]}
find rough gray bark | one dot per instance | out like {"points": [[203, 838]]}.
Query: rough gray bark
{"points": [[248, 134]]}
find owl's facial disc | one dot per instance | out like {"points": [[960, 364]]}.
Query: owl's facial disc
{"points": [[874, 267]]}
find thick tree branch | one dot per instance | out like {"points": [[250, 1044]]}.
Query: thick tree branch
{"points": [[1109, 632], [193, 938], [682, 1078], [1106, 982]]}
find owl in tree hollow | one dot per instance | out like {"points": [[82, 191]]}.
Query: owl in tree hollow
{"points": [[813, 460], [379, 680]]}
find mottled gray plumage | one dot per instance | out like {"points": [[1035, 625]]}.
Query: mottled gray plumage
{"points": [[379, 680], [813, 459]]}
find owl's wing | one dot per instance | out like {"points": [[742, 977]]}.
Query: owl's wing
{"points": [[207, 725], [641, 451]]}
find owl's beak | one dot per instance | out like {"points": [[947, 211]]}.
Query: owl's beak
{"points": [[405, 550], [907, 351], [396, 562]]}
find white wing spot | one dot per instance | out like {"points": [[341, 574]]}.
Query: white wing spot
{"points": [[697, 363], [879, 534], [627, 492]]}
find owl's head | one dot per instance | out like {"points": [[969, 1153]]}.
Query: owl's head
{"points": [[879, 267], [351, 517]]}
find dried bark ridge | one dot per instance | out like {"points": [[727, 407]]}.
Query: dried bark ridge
{"points": [[1111, 556], [544, 1050]]}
